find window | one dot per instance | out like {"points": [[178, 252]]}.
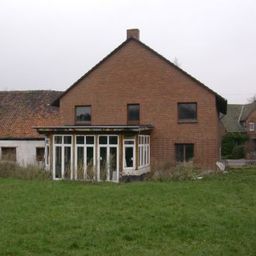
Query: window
{"points": [[9, 154], [40, 154], [251, 126], [144, 150], [184, 153], [85, 157], [129, 154], [187, 112], [62, 157], [133, 113], [83, 114]]}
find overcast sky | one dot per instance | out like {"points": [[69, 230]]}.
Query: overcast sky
{"points": [[50, 44]]}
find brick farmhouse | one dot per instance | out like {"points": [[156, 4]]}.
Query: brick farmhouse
{"points": [[133, 109]]}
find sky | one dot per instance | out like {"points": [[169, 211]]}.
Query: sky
{"points": [[49, 44]]}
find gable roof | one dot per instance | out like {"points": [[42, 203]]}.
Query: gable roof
{"points": [[221, 103], [231, 120], [21, 110], [248, 109]]}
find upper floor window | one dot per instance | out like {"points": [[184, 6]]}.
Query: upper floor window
{"points": [[133, 113], [83, 114], [251, 126], [187, 112]]}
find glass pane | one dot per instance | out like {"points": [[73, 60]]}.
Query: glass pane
{"points": [[47, 155], [112, 139], [40, 154], [128, 157], [140, 155], [80, 140], [58, 139], [89, 156], [67, 162], [148, 154], [189, 152], [67, 139], [80, 162], [113, 164], [133, 112], [58, 162], [179, 148], [90, 167], [129, 142], [187, 111], [83, 114], [103, 163], [145, 155], [103, 140], [89, 139]]}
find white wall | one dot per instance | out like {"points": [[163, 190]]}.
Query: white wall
{"points": [[25, 150]]}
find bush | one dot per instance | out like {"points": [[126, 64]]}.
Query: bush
{"points": [[229, 142], [167, 172], [12, 170], [238, 152]]}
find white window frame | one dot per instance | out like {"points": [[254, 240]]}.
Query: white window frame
{"points": [[62, 145], [85, 146], [47, 154], [108, 146], [251, 126], [134, 154], [144, 151]]}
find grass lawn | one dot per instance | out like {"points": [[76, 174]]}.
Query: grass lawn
{"points": [[213, 216]]}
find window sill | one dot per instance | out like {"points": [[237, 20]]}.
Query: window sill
{"points": [[187, 121]]}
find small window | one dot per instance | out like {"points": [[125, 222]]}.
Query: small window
{"points": [[187, 112], [83, 114], [251, 126], [9, 154], [133, 113], [184, 153], [39, 154]]}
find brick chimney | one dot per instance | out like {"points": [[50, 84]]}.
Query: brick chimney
{"points": [[134, 33]]}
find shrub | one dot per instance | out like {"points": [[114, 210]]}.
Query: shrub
{"points": [[12, 170], [238, 152], [230, 141]]}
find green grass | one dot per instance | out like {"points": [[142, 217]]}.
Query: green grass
{"points": [[213, 216]]}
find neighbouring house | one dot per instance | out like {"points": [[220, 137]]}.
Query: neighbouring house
{"points": [[133, 109], [19, 112], [241, 119]]}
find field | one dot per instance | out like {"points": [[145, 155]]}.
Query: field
{"points": [[213, 216]]}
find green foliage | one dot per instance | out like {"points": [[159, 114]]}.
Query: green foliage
{"points": [[238, 152], [213, 216], [232, 144]]}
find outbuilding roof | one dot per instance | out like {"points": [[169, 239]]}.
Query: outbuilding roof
{"points": [[21, 110], [236, 115]]}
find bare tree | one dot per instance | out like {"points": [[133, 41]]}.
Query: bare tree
{"points": [[252, 99]]}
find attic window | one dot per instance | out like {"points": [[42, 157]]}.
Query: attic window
{"points": [[83, 114]]}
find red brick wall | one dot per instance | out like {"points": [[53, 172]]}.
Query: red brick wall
{"points": [[136, 75]]}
